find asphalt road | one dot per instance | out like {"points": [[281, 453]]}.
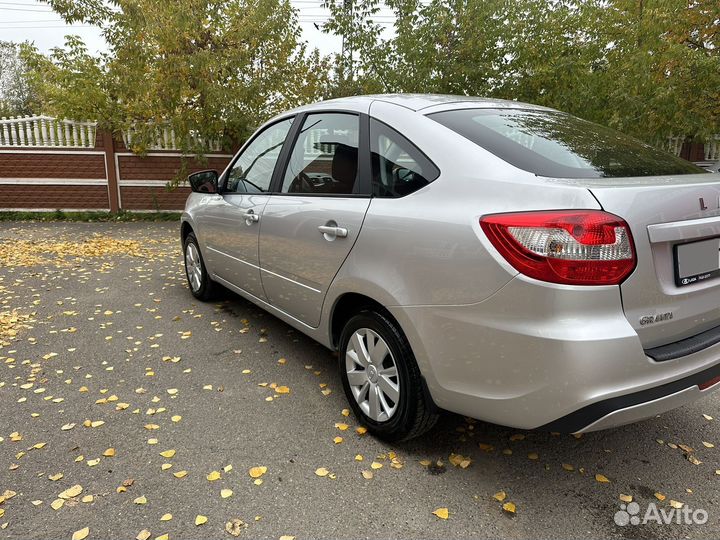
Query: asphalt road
{"points": [[108, 325]]}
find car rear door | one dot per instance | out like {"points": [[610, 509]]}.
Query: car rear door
{"points": [[231, 222], [311, 222]]}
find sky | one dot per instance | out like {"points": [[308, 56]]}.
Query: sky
{"points": [[34, 21]]}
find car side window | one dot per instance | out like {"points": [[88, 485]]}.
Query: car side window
{"points": [[398, 167], [253, 170], [324, 159]]}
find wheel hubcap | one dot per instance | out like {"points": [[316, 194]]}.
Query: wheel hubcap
{"points": [[372, 374], [193, 267]]}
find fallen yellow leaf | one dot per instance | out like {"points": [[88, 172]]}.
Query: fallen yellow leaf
{"points": [[442, 513], [602, 478], [257, 472], [509, 507], [200, 520], [71, 492], [81, 534]]}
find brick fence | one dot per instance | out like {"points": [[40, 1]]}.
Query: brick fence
{"points": [[39, 171]]}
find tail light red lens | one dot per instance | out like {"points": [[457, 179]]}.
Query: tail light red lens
{"points": [[572, 247]]}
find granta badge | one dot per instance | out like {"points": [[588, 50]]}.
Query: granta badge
{"points": [[652, 319]]}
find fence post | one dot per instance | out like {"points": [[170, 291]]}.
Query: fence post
{"points": [[112, 179]]}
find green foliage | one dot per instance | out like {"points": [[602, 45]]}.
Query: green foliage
{"points": [[210, 69], [16, 94], [648, 67]]}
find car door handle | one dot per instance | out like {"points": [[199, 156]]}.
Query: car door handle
{"points": [[329, 230], [251, 217]]}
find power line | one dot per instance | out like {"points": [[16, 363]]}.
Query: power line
{"points": [[45, 27], [25, 9], [33, 22]]}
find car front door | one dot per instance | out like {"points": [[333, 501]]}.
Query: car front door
{"points": [[312, 221], [232, 220]]}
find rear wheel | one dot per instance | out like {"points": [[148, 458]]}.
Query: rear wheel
{"points": [[201, 286], [381, 378]]}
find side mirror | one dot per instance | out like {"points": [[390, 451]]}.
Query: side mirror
{"points": [[204, 181], [401, 174]]}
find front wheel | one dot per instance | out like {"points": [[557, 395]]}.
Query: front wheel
{"points": [[201, 286], [381, 378]]}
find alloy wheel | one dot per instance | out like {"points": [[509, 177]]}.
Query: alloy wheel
{"points": [[193, 266], [372, 375]]}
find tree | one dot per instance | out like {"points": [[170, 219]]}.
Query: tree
{"points": [[361, 67], [207, 68], [16, 93], [647, 67]]}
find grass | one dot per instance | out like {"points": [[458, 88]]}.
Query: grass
{"points": [[59, 215]]}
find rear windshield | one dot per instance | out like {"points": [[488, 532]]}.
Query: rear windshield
{"points": [[559, 145]]}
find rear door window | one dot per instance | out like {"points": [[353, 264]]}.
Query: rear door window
{"points": [[555, 144]]}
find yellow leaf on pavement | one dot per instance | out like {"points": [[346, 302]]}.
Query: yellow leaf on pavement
{"points": [[602, 478], [81, 534], [500, 496], [509, 507], [200, 520], [257, 472], [167, 453], [322, 471], [442, 513], [71, 492]]}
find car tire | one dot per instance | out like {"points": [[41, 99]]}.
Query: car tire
{"points": [[199, 282], [412, 413]]}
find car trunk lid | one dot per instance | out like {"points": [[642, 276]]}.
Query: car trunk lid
{"points": [[672, 294]]}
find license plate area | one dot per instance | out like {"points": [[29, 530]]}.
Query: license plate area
{"points": [[696, 261]]}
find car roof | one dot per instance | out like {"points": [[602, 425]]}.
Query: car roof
{"points": [[418, 102]]}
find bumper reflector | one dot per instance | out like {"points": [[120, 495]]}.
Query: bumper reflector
{"points": [[708, 384]]}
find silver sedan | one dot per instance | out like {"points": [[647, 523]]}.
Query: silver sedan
{"points": [[500, 260]]}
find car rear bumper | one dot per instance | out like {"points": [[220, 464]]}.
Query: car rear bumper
{"points": [[637, 406], [549, 356]]}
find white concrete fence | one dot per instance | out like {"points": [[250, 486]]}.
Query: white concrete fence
{"points": [[165, 139], [45, 131]]}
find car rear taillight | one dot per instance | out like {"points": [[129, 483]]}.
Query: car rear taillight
{"points": [[573, 247]]}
